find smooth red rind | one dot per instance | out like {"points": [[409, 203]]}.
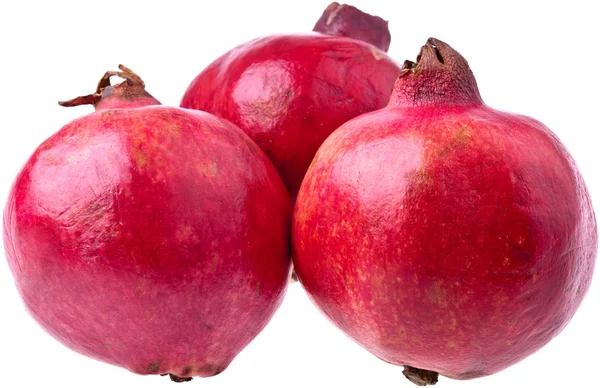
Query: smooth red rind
{"points": [[442, 234], [152, 238], [289, 92]]}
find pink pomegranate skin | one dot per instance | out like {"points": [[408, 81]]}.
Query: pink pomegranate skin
{"points": [[441, 234], [289, 92], [149, 237]]}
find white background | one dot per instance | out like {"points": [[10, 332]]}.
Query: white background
{"points": [[536, 58]]}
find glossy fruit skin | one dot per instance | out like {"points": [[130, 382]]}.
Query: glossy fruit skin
{"points": [[153, 238], [444, 235], [289, 92]]}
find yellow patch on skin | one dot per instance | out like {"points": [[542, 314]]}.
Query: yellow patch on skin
{"points": [[140, 158], [376, 54], [52, 160], [436, 294], [419, 177], [454, 323], [459, 139], [333, 14], [361, 275], [209, 169], [173, 128], [215, 260], [184, 232]]}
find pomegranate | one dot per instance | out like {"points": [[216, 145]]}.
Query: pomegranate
{"points": [[289, 92], [149, 237], [443, 235]]}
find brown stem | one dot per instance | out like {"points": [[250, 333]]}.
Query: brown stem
{"points": [[176, 378], [420, 377], [131, 92], [346, 20]]}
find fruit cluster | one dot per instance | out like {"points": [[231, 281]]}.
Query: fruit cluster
{"points": [[440, 234]]}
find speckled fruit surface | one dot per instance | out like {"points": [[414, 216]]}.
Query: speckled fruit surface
{"points": [[441, 234], [289, 92], [149, 237]]}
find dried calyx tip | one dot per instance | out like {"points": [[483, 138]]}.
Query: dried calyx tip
{"points": [[433, 46], [420, 377], [349, 21], [176, 378], [129, 76], [440, 75]]}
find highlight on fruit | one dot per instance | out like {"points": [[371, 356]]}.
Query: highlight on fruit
{"points": [[289, 92]]}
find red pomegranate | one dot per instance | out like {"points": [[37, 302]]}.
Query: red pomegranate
{"points": [[441, 234], [289, 92], [149, 237]]}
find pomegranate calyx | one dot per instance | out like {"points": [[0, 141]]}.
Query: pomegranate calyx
{"points": [[440, 76], [346, 20], [131, 89], [420, 377], [176, 378]]}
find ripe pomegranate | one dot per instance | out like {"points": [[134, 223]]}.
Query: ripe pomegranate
{"points": [[149, 237], [441, 234], [289, 92]]}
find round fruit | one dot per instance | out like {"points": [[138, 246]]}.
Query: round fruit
{"points": [[441, 234], [149, 237], [289, 92]]}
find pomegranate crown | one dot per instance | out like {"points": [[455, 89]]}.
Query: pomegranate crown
{"points": [[440, 76], [129, 93], [346, 20]]}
